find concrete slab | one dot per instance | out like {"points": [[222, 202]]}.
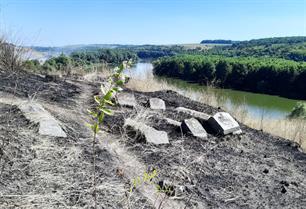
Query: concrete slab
{"points": [[173, 122], [238, 132], [196, 114], [126, 99], [194, 127], [151, 134], [157, 104], [223, 122], [48, 125]]}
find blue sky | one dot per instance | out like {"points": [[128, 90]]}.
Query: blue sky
{"points": [[66, 22]]}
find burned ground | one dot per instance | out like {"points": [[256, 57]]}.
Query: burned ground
{"points": [[50, 172], [252, 170], [28, 85]]}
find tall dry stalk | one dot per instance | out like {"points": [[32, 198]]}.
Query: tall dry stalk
{"points": [[10, 55]]}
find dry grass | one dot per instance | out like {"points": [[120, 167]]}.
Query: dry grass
{"points": [[148, 85], [94, 73], [10, 55], [294, 130]]}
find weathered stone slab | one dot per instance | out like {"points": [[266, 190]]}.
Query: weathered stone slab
{"points": [[157, 104], [151, 134], [48, 125], [173, 122], [223, 122], [196, 114], [237, 132], [127, 99], [194, 127]]}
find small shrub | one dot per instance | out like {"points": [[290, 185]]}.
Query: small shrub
{"points": [[103, 101]]}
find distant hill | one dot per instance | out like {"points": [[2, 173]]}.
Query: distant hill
{"points": [[218, 41], [143, 51], [72, 48], [292, 40], [43, 53], [292, 48]]}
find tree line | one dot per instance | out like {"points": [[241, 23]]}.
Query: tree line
{"points": [[157, 51], [115, 56], [82, 58], [261, 75], [292, 48], [217, 41]]}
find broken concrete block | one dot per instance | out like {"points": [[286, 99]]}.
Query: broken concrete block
{"points": [[237, 132], [157, 104], [48, 125], [194, 127], [196, 114], [127, 99], [151, 134], [223, 122], [173, 122], [51, 128]]}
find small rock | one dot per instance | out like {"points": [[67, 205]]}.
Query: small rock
{"points": [[223, 122], [127, 99], [151, 134], [157, 104], [202, 117], [266, 171], [238, 132], [173, 122], [194, 127], [48, 125]]}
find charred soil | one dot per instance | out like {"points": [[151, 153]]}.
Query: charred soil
{"points": [[252, 170]]}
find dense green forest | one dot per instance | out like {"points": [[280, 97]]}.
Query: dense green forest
{"points": [[262, 75], [153, 52], [292, 48], [114, 56], [156, 51]]}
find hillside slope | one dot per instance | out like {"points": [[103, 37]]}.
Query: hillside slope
{"points": [[252, 170]]}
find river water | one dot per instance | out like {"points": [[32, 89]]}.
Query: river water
{"points": [[256, 105]]}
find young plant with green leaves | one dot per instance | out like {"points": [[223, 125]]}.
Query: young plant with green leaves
{"points": [[103, 102], [150, 178]]}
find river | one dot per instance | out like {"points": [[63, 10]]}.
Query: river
{"points": [[256, 105]]}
